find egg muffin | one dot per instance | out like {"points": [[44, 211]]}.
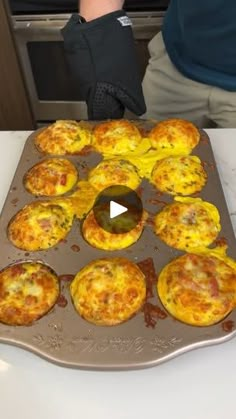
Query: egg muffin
{"points": [[64, 137], [183, 175], [116, 137], [107, 292], [41, 225], [28, 291], [83, 198], [51, 177], [175, 136], [98, 237], [198, 289], [188, 223], [114, 172]]}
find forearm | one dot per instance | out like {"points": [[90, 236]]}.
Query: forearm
{"points": [[92, 9]]}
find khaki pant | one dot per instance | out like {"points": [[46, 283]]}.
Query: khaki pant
{"points": [[169, 94]]}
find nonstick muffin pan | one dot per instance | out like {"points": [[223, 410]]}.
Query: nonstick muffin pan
{"points": [[149, 338]]}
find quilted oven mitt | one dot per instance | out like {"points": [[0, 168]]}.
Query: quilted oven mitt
{"points": [[102, 59]]}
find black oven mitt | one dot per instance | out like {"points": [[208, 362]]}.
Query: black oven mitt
{"points": [[102, 59]]}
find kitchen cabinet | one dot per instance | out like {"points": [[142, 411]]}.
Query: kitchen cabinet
{"points": [[15, 111]]}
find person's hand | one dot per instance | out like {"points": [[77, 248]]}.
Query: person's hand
{"points": [[102, 59]]}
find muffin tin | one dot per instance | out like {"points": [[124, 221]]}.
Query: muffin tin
{"points": [[149, 338]]}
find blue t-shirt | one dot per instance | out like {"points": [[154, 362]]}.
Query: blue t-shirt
{"points": [[200, 38]]}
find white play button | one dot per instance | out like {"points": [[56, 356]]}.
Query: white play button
{"points": [[116, 209]]}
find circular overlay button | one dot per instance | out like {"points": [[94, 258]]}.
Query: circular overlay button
{"points": [[118, 209]]}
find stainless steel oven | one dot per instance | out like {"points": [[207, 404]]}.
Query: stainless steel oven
{"points": [[40, 45]]}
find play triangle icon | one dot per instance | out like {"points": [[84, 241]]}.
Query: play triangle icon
{"points": [[116, 209]]}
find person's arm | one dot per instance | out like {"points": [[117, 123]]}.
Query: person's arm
{"points": [[92, 9]]}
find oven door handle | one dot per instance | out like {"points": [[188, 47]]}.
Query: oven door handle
{"points": [[40, 28]]}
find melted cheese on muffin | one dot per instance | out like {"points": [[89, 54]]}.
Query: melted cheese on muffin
{"points": [[27, 292], [188, 223], [83, 198], [183, 175], [51, 177], [64, 137], [114, 172], [41, 225], [116, 137], [145, 162], [198, 289], [107, 291], [98, 237], [176, 136]]}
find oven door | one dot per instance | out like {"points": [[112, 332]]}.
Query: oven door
{"points": [[50, 86]]}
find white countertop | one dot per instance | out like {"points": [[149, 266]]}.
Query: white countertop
{"points": [[196, 385]]}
